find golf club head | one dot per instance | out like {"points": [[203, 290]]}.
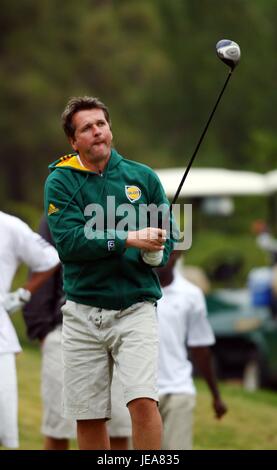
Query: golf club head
{"points": [[229, 52]]}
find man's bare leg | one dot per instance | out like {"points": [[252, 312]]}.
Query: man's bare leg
{"points": [[52, 443], [92, 434], [146, 424], [119, 443]]}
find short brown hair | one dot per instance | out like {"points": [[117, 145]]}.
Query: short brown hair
{"points": [[78, 103]]}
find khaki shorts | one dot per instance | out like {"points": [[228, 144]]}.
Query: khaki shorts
{"points": [[93, 340], [53, 424], [120, 423], [177, 416]]}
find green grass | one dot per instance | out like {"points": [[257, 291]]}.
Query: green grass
{"points": [[251, 422], [28, 367], [30, 408]]}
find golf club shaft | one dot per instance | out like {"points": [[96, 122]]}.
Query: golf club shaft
{"points": [[199, 143]]}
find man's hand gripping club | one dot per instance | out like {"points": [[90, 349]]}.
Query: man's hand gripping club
{"points": [[151, 241]]}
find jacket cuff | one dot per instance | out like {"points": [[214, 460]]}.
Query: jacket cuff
{"points": [[117, 244]]}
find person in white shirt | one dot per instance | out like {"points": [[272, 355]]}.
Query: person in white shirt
{"points": [[19, 244], [182, 322]]}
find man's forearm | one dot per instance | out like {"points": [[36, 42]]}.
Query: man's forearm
{"points": [[38, 278], [203, 360]]}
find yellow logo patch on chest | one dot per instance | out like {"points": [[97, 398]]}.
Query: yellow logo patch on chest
{"points": [[133, 193]]}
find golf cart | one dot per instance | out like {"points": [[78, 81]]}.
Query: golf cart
{"points": [[243, 320]]}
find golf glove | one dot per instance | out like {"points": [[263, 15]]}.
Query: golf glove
{"points": [[153, 258], [15, 300]]}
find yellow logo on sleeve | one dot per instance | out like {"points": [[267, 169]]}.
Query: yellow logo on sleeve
{"points": [[52, 209], [133, 193]]}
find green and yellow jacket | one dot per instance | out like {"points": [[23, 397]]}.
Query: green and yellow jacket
{"points": [[98, 269]]}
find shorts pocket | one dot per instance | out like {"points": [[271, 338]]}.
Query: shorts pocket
{"points": [[69, 308]]}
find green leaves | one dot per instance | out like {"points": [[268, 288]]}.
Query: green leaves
{"points": [[154, 64]]}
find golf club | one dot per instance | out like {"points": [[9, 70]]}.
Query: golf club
{"points": [[229, 52]]}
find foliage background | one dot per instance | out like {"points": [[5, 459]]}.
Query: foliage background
{"points": [[153, 62]]}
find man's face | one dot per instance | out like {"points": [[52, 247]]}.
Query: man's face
{"points": [[93, 136]]}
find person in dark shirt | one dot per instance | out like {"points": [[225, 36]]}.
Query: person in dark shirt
{"points": [[43, 320]]}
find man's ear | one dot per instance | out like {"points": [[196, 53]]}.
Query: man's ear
{"points": [[73, 143]]}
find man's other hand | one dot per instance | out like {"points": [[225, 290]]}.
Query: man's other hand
{"points": [[13, 301]]}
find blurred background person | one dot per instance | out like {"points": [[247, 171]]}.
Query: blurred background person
{"points": [[264, 238], [19, 244], [263, 280], [182, 320], [43, 318]]}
